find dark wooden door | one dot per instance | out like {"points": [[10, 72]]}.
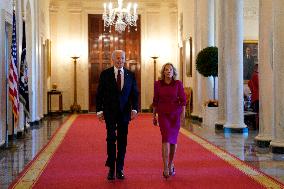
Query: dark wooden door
{"points": [[101, 45]]}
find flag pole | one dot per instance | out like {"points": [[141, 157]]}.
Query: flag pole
{"points": [[12, 80], [13, 117], [23, 80], [13, 126], [7, 130], [25, 117]]}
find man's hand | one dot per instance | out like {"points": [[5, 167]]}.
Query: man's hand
{"points": [[133, 114], [101, 117]]}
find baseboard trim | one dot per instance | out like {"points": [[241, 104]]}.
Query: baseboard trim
{"points": [[262, 143], [146, 111], [219, 126], [235, 130]]}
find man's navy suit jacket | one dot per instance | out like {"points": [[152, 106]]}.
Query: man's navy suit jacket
{"points": [[114, 102]]}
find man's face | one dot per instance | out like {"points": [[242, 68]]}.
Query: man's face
{"points": [[248, 51], [118, 60]]}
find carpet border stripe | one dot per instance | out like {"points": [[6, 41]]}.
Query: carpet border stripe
{"points": [[30, 177], [258, 176]]}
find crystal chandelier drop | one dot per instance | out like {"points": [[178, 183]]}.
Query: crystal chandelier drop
{"points": [[120, 17]]}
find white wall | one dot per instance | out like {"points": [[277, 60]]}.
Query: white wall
{"points": [[186, 11], [251, 22], [159, 38]]}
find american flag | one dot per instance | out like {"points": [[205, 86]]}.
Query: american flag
{"points": [[23, 80], [13, 74]]}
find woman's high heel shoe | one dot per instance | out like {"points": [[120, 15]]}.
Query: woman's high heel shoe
{"points": [[172, 171], [166, 174]]}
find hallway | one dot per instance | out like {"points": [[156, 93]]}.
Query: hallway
{"points": [[14, 159]]}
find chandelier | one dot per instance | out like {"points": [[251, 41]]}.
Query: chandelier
{"points": [[120, 17]]}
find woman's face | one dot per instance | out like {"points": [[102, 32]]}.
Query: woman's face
{"points": [[168, 71]]}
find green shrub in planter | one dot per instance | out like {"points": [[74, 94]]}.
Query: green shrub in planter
{"points": [[207, 63]]}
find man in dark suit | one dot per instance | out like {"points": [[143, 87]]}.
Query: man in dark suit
{"points": [[248, 64], [117, 104]]}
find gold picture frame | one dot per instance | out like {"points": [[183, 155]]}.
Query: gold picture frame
{"points": [[182, 66], [48, 56], [188, 57]]}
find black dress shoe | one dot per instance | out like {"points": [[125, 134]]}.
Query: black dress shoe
{"points": [[110, 175], [120, 175]]}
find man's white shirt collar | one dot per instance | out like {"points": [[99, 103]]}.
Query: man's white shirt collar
{"points": [[116, 70]]}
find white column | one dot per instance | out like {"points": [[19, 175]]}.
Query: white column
{"points": [[38, 62], [266, 111], [34, 62], [277, 143], [221, 63], [197, 77], [234, 65], [207, 39], [207, 22], [204, 36]]}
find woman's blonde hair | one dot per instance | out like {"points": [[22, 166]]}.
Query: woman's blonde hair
{"points": [[163, 69]]}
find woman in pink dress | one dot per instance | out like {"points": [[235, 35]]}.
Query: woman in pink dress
{"points": [[169, 103]]}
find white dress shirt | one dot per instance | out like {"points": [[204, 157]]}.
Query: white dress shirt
{"points": [[122, 75]]}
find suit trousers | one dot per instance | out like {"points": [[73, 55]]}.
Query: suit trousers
{"points": [[116, 144]]}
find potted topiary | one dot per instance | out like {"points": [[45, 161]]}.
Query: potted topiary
{"points": [[207, 65]]}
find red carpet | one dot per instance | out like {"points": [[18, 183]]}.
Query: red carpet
{"points": [[79, 162]]}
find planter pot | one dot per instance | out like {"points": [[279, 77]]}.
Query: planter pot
{"points": [[210, 116]]}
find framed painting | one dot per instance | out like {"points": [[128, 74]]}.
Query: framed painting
{"points": [[250, 58]]}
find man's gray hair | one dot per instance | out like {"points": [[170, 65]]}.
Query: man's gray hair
{"points": [[116, 51]]}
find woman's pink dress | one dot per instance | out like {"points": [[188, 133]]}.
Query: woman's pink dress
{"points": [[168, 101]]}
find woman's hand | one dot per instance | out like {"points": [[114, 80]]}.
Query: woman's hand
{"points": [[155, 120], [182, 120], [182, 116]]}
